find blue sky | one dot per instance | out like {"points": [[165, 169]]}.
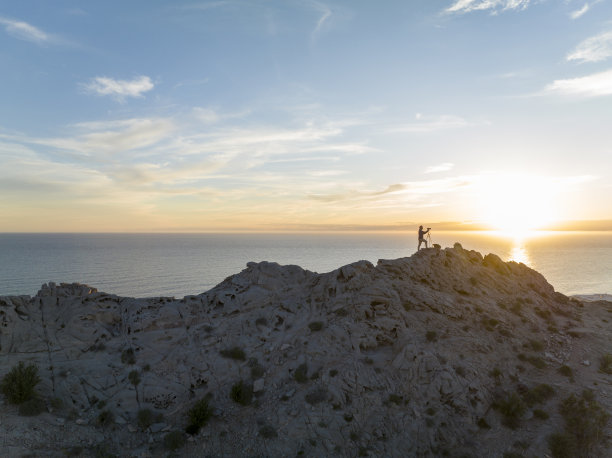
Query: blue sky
{"points": [[302, 114]]}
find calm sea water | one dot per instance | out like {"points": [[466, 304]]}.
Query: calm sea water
{"points": [[143, 265]]}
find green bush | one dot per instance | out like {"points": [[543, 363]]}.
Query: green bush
{"points": [[562, 445], [32, 407], [242, 393], [315, 326], [199, 415], [18, 385], [174, 440], [542, 415], [134, 377]]}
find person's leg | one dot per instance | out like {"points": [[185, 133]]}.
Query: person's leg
{"points": [[425, 242], [419, 247]]}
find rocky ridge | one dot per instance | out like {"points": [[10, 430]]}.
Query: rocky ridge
{"points": [[406, 358]]}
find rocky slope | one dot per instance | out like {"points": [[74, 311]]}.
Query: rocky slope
{"points": [[444, 353]]}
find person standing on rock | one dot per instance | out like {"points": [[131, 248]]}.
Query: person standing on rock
{"points": [[422, 237]]}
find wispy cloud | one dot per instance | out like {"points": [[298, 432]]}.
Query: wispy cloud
{"points": [[585, 9], [112, 137], [430, 123], [119, 89], [593, 49], [326, 14], [467, 6], [595, 85], [444, 167], [25, 31], [578, 13]]}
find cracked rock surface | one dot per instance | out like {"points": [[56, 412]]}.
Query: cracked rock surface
{"points": [[405, 358]]}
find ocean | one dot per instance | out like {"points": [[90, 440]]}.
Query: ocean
{"points": [[146, 265]]}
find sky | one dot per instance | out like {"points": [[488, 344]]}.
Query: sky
{"points": [[270, 115]]}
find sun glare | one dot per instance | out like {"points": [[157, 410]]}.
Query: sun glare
{"points": [[517, 204]]}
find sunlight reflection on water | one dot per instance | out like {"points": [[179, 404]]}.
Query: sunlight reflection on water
{"points": [[519, 253]]}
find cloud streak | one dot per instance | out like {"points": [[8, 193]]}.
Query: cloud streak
{"points": [[593, 49], [24, 31], [595, 85], [119, 89], [468, 6]]}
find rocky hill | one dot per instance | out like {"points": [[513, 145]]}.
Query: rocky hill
{"points": [[444, 353]]}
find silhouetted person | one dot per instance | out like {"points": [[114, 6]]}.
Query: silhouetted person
{"points": [[422, 237]]}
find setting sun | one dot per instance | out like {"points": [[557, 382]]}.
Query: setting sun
{"points": [[517, 204]]}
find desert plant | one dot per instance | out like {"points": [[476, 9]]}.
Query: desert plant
{"points": [[268, 432], [315, 326], [605, 364], [128, 357], [234, 353], [301, 373], [316, 396], [539, 394], [105, 418], [585, 421], [198, 416], [134, 377], [566, 370], [431, 336], [242, 393], [542, 415], [18, 385], [512, 409]]}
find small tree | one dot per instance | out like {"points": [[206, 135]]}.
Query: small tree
{"points": [[18, 385]]}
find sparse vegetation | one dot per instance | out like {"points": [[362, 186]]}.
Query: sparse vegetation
{"points": [[431, 336], [315, 326], [18, 385], [605, 364], [268, 432], [198, 416], [566, 370], [316, 396], [106, 417], [512, 409], [482, 423], [585, 421], [236, 353], [535, 361], [540, 414], [534, 345], [242, 393], [134, 377], [301, 373], [539, 394], [128, 357]]}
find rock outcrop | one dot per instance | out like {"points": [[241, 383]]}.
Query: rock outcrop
{"points": [[405, 358]]}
